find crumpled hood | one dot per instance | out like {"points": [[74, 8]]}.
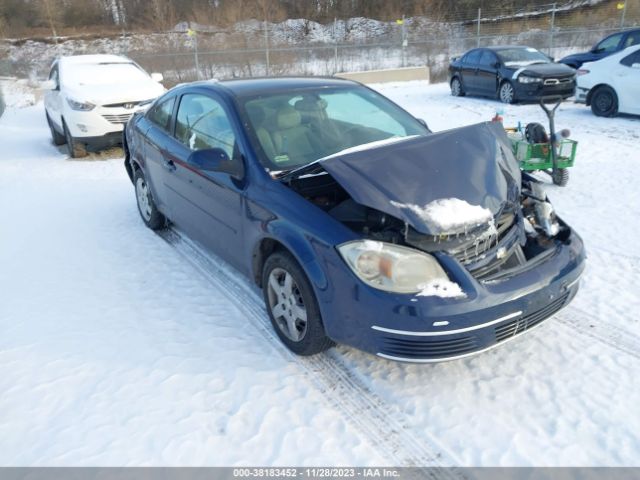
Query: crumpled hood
{"points": [[116, 93], [471, 164], [545, 70]]}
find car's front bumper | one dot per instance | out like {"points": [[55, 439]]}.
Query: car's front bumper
{"points": [[431, 329], [581, 94], [535, 91]]}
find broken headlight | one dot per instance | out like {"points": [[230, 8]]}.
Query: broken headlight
{"points": [[391, 267]]}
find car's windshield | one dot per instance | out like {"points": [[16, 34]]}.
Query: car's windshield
{"points": [[521, 56], [103, 73], [293, 129]]}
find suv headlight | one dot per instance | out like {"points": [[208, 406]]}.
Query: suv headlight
{"points": [[528, 79], [390, 267], [82, 106]]}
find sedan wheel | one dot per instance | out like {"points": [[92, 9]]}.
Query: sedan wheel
{"points": [[151, 217], [287, 305], [604, 102], [292, 305], [456, 87], [506, 93]]}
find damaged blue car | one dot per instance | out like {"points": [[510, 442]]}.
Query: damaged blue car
{"points": [[359, 224]]}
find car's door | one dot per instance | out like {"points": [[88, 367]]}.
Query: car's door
{"points": [[159, 120], [487, 73], [627, 79], [52, 98], [207, 204], [469, 71]]}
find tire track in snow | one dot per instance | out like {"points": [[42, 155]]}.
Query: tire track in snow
{"points": [[390, 433], [587, 325]]}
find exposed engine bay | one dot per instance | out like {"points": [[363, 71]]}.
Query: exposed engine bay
{"points": [[519, 236]]}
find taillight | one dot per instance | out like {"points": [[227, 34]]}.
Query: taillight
{"points": [[582, 71]]}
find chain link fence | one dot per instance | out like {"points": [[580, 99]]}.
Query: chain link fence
{"points": [[302, 47]]}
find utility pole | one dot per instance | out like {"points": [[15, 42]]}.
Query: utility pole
{"points": [[478, 29], [553, 23], [624, 12], [266, 43], [335, 45]]}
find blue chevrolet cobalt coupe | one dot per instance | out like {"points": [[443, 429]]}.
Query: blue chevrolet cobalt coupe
{"points": [[360, 225]]}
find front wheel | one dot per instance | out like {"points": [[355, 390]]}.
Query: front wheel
{"points": [[57, 138], [151, 217], [456, 87], [292, 306], [506, 93], [75, 148], [604, 102]]}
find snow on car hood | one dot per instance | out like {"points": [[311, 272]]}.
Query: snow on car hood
{"points": [[116, 93], [439, 183]]}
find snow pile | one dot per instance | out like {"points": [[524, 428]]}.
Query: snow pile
{"points": [[440, 288], [449, 215], [368, 146]]}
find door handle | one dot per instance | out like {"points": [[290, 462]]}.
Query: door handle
{"points": [[169, 165]]}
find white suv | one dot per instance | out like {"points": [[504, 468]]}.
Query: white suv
{"points": [[90, 98]]}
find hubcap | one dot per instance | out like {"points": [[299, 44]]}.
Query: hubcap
{"points": [[455, 87], [286, 304], [604, 101], [506, 93], [142, 194]]}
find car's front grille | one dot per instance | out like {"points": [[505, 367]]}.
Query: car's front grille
{"points": [[557, 81], [519, 325], [118, 119], [473, 251], [428, 347]]}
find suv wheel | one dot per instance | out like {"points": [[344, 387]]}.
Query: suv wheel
{"points": [[57, 137], [151, 217], [76, 149], [292, 306]]}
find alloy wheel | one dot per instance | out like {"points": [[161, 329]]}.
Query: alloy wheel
{"points": [[142, 194], [506, 93], [286, 304]]}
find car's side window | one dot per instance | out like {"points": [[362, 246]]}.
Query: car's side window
{"points": [[473, 57], [161, 114], [609, 44], [487, 59], [631, 59], [632, 39], [202, 123]]}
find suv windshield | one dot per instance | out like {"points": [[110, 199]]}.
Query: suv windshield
{"points": [[293, 129], [521, 56]]}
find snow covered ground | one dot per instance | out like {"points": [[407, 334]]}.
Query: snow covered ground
{"points": [[122, 347]]}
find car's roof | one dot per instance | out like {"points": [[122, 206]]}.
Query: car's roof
{"points": [[92, 59], [256, 86], [497, 48]]}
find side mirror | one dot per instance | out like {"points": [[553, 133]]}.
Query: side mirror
{"points": [[157, 77], [424, 124], [216, 160], [597, 50], [495, 64], [48, 85]]}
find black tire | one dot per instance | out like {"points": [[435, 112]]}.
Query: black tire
{"points": [[149, 213], [456, 87], [75, 148], [604, 102], [506, 92], [313, 339], [57, 138], [560, 177]]}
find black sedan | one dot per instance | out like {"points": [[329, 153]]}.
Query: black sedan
{"points": [[511, 73]]}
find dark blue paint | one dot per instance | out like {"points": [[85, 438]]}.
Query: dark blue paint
{"points": [[577, 59], [232, 217]]}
